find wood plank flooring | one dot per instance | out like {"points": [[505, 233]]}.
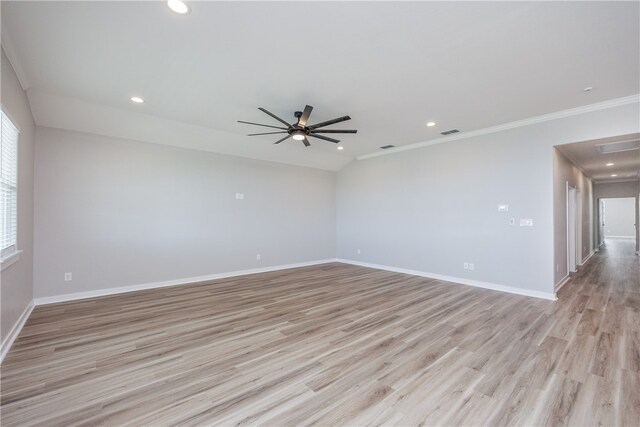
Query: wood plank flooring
{"points": [[334, 345]]}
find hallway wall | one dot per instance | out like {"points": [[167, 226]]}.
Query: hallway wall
{"points": [[565, 171]]}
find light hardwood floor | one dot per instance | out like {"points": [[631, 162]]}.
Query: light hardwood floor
{"points": [[334, 345]]}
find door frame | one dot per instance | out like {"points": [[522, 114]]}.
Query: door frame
{"points": [[574, 216]]}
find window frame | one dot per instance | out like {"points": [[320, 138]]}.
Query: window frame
{"points": [[11, 254]]}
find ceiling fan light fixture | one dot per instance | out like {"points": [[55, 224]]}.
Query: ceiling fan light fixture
{"points": [[179, 7], [298, 135]]}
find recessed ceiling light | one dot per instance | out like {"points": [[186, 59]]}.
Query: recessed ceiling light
{"points": [[430, 124], [610, 164], [614, 174], [137, 99], [340, 148], [587, 89], [178, 6]]}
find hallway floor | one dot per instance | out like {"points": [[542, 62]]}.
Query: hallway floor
{"points": [[601, 322]]}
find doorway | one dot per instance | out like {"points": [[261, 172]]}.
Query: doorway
{"points": [[617, 219]]}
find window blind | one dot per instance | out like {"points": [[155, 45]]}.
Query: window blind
{"points": [[8, 184]]}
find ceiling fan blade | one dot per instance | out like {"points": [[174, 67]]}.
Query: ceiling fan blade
{"points": [[265, 133], [274, 116], [306, 143], [329, 122], [335, 131], [280, 140], [326, 138], [302, 121], [259, 124]]}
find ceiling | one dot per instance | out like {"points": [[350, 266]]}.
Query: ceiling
{"points": [[391, 66], [625, 164]]}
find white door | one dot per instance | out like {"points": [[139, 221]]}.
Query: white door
{"points": [[601, 220], [571, 229], [578, 227]]}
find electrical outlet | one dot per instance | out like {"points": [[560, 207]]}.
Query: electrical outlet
{"points": [[239, 196], [68, 277], [258, 257], [466, 265], [471, 267], [526, 222], [503, 208]]}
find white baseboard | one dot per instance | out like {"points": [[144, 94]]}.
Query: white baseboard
{"points": [[587, 258], [186, 281], [495, 287], [619, 237], [15, 331], [561, 283]]}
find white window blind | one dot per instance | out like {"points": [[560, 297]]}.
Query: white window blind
{"points": [[8, 185]]}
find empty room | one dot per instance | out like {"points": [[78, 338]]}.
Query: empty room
{"points": [[330, 213]]}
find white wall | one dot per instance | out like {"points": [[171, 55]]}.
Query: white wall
{"points": [[119, 213], [16, 287], [565, 171], [620, 217], [433, 208]]}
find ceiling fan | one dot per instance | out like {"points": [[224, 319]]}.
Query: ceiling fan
{"points": [[299, 130]]}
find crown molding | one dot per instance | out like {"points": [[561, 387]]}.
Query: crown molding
{"points": [[9, 50], [632, 99]]}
